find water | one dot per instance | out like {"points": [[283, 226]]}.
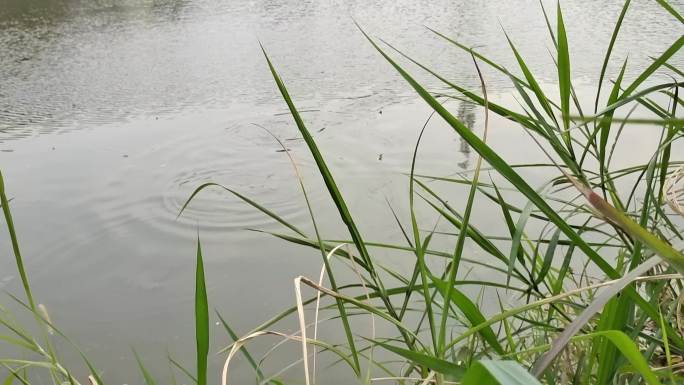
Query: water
{"points": [[112, 112]]}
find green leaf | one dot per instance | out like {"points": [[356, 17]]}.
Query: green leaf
{"points": [[340, 203], [15, 244], [470, 311], [487, 372], [631, 352], [609, 51], [421, 359], [660, 60], [201, 319], [548, 258], [671, 10], [564, 75]]}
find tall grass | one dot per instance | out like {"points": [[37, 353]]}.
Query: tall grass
{"points": [[593, 255], [602, 337]]}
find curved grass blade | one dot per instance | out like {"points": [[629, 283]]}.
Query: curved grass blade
{"points": [[423, 269], [246, 200], [674, 257]]}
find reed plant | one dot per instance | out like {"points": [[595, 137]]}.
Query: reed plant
{"points": [[592, 257]]}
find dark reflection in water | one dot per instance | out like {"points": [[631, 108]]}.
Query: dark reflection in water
{"points": [[466, 114]]}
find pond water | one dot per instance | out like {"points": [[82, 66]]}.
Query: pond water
{"points": [[113, 111]]}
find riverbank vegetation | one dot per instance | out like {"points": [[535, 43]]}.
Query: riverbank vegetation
{"points": [[592, 257]]}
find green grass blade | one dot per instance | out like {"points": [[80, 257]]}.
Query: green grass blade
{"points": [[609, 51], [15, 243], [670, 132], [516, 240], [423, 269], [201, 319], [548, 258], [534, 85], [660, 60], [182, 369], [243, 349], [470, 311], [336, 196], [460, 242], [487, 372], [322, 167], [246, 200], [604, 129], [147, 376], [422, 359], [564, 75], [497, 109], [548, 24], [671, 10], [674, 257]]}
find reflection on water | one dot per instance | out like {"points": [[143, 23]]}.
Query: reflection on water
{"points": [[113, 111], [466, 115]]}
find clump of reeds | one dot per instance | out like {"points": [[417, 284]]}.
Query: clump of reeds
{"points": [[635, 244]]}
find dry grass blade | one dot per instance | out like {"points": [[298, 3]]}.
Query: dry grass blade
{"points": [[235, 348], [604, 296], [674, 191], [318, 306], [302, 327]]}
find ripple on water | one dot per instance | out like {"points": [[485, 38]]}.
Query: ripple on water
{"points": [[153, 185]]}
